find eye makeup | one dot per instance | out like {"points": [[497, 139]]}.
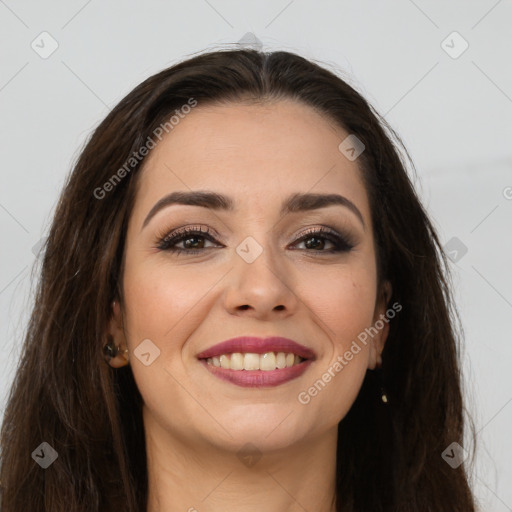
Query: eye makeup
{"points": [[198, 235]]}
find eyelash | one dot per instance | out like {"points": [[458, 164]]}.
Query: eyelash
{"points": [[167, 242]]}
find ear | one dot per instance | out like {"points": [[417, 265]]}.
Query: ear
{"points": [[116, 334], [381, 325]]}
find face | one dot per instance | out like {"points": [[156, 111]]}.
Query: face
{"points": [[307, 274]]}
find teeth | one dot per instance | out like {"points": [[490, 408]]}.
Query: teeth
{"points": [[281, 360], [236, 362], [268, 361], [250, 361]]}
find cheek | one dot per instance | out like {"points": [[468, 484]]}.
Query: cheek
{"points": [[160, 296], [343, 301], [165, 304]]}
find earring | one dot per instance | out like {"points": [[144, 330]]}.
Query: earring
{"points": [[110, 350], [383, 393]]}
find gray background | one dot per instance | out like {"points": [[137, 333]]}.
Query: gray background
{"points": [[453, 112]]}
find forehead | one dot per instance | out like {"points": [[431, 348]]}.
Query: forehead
{"points": [[257, 152]]}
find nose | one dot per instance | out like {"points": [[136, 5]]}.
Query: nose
{"points": [[263, 288]]}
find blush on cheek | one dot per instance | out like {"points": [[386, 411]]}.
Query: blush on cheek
{"points": [[344, 308], [156, 296]]}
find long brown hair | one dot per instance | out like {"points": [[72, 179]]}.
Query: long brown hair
{"points": [[64, 394]]}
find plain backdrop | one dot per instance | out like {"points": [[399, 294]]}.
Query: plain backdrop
{"points": [[439, 71]]}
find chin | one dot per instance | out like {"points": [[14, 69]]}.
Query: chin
{"points": [[267, 431]]}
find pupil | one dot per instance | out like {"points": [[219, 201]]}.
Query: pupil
{"points": [[309, 245], [187, 244]]}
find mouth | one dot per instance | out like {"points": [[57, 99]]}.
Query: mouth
{"points": [[257, 362], [250, 361]]}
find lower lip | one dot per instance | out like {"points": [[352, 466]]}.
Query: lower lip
{"points": [[258, 378]]}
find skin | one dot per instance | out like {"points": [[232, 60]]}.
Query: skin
{"points": [[195, 423]]}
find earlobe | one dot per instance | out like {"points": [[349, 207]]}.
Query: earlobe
{"points": [[115, 356], [381, 323], [387, 291], [115, 351], [377, 345]]}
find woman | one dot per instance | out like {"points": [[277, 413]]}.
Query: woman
{"points": [[196, 345]]}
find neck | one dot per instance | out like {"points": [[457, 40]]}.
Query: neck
{"points": [[186, 475]]}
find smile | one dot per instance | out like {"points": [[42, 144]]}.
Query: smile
{"points": [[250, 361], [253, 376]]}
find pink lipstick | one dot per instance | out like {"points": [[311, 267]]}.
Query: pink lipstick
{"points": [[257, 362]]}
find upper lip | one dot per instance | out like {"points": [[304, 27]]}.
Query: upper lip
{"points": [[256, 345]]}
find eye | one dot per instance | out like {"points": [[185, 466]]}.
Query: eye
{"points": [[193, 239], [315, 240]]}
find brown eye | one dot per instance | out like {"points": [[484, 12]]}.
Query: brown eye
{"points": [[193, 239], [316, 239]]}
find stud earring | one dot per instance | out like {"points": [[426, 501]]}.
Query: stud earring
{"points": [[110, 350]]}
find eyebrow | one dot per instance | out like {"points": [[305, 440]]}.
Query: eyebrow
{"points": [[298, 202]]}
